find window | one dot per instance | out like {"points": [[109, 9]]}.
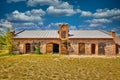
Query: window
{"points": [[63, 34]]}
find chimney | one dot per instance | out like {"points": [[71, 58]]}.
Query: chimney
{"points": [[63, 31], [12, 33], [113, 34]]}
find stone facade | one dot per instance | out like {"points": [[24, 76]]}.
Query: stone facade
{"points": [[64, 45]]}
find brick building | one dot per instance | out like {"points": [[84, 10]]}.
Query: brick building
{"points": [[65, 41]]}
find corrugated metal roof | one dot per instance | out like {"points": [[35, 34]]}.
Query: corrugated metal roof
{"points": [[88, 34], [54, 34], [38, 34]]}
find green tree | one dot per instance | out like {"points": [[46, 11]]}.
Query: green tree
{"points": [[6, 39]]}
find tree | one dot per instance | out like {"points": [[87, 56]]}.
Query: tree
{"points": [[6, 39]]}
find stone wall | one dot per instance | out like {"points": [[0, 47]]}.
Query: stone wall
{"points": [[43, 44], [109, 45]]}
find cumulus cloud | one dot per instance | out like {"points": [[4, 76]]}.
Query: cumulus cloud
{"points": [[86, 13], [56, 3], [64, 5], [28, 16], [102, 13], [102, 16], [60, 12], [72, 27], [9, 1], [95, 25], [42, 2], [56, 7], [99, 21], [26, 20], [106, 13], [26, 26], [54, 25], [5, 23], [35, 12]]}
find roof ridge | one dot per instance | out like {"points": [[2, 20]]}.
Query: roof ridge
{"points": [[19, 32], [104, 32]]}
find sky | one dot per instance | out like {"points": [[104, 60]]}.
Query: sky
{"points": [[48, 14]]}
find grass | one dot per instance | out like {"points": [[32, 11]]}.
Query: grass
{"points": [[58, 67], [4, 53]]}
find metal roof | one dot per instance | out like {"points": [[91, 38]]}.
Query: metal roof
{"points": [[88, 34], [38, 34], [54, 34]]}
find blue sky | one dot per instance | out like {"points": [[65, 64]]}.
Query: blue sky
{"points": [[47, 14]]}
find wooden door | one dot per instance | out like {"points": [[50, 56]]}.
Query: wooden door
{"points": [[64, 48], [49, 48], [101, 48], [93, 47], [28, 48], [81, 48]]}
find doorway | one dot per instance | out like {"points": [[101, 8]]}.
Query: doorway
{"points": [[52, 48], [101, 49], [28, 48], [55, 48], [93, 47], [81, 48]]}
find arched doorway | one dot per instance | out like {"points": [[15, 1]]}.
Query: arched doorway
{"points": [[93, 47], [52, 48], [28, 47], [81, 48]]}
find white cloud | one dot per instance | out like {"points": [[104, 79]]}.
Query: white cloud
{"points": [[95, 25], [42, 2], [26, 20], [99, 21], [55, 3], [116, 18], [54, 25], [35, 12], [64, 5], [86, 13], [26, 26], [106, 13], [9, 1], [60, 12], [5, 23], [33, 15], [72, 27], [56, 7]]}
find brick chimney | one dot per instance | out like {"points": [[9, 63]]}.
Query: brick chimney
{"points": [[113, 34], [63, 31], [12, 33]]}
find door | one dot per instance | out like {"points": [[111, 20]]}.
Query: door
{"points": [[49, 48], [101, 48], [28, 48], [81, 48], [93, 47], [64, 48], [55, 48]]}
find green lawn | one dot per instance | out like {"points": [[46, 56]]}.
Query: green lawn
{"points": [[58, 67]]}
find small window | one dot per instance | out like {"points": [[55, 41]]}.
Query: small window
{"points": [[63, 34]]}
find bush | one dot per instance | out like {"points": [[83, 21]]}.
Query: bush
{"points": [[37, 50]]}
